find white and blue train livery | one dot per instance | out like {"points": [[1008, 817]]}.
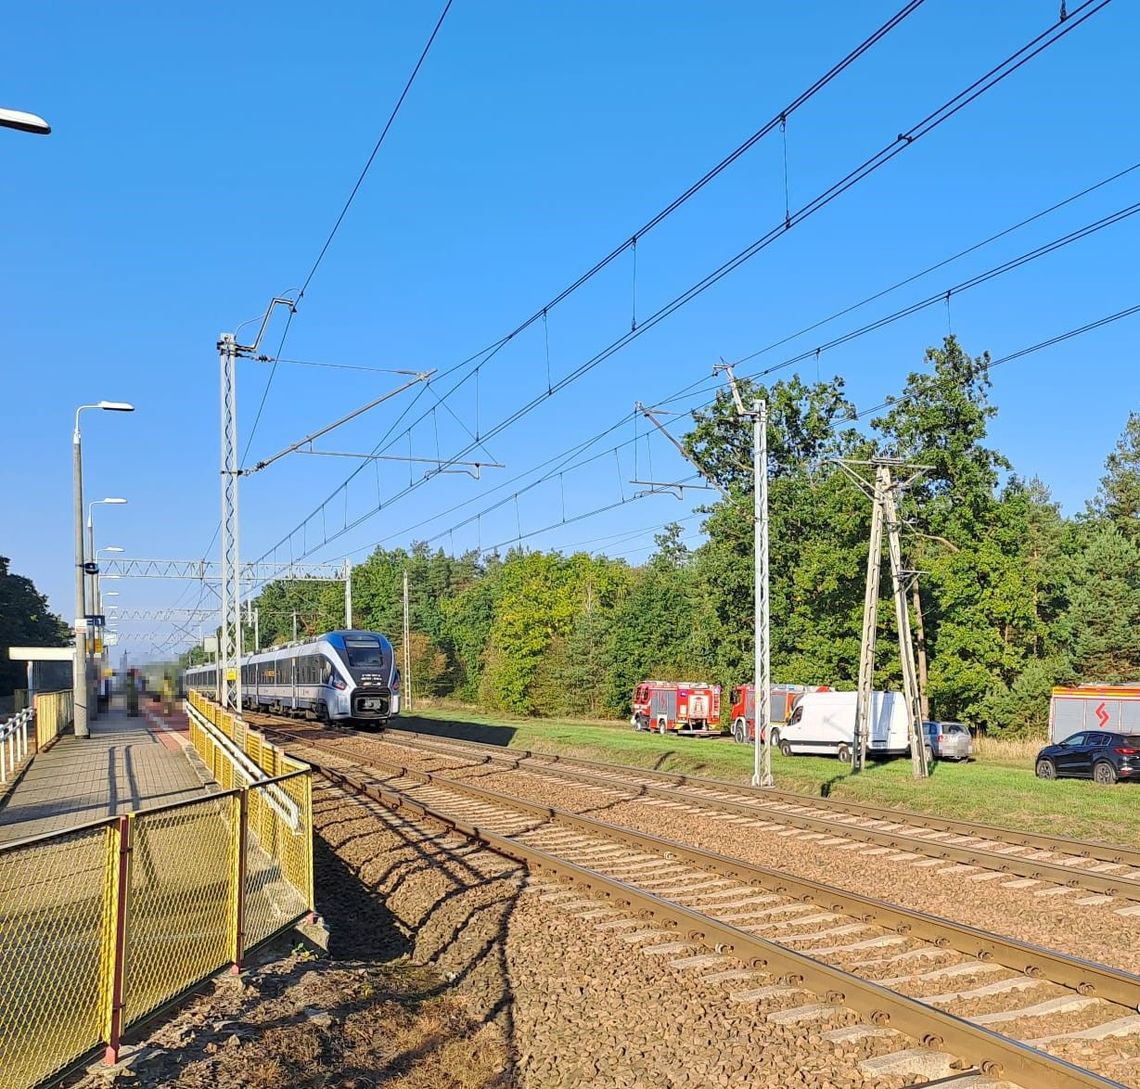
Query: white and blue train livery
{"points": [[346, 677]]}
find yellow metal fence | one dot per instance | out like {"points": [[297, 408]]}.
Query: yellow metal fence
{"points": [[106, 923], [54, 711]]}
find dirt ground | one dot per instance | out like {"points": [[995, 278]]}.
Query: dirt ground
{"points": [[362, 1014], [449, 968]]}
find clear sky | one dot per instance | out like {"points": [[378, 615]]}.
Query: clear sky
{"points": [[201, 153]]}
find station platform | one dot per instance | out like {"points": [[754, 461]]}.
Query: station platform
{"points": [[126, 763]]}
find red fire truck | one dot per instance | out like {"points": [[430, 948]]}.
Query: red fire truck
{"points": [[783, 697], [681, 706]]}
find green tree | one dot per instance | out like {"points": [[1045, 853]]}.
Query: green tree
{"points": [[1101, 627], [25, 621], [1118, 499], [818, 526], [941, 420]]}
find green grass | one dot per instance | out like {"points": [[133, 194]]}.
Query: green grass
{"points": [[998, 789]]}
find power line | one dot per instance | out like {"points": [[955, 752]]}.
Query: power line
{"points": [[379, 142], [941, 264], [1021, 353], [1010, 357], [340, 219], [695, 388], [934, 299], [566, 464], [928, 124], [333, 366], [485, 355]]}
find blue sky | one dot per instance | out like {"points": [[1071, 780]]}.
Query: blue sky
{"points": [[200, 155]]}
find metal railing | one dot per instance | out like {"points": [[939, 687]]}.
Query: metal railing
{"points": [[106, 923], [14, 742]]}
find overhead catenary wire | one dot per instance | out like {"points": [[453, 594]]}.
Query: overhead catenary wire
{"points": [[994, 76], [934, 299], [563, 458], [1003, 360], [484, 355], [340, 219]]}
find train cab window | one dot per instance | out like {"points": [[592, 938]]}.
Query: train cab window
{"points": [[326, 673], [363, 653]]}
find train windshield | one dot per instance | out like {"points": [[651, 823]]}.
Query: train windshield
{"points": [[363, 652]]}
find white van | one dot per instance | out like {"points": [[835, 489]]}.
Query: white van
{"points": [[824, 723]]}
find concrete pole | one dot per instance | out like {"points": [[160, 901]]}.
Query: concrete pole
{"points": [[79, 665], [257, 629], [93, 597], [348, 593]]}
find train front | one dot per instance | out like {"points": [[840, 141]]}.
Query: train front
{"points": [[374, 696]]}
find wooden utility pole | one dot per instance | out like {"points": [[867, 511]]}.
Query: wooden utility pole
{"points": [[920, 640], [863, 700], [883, 495], [906, 644]]}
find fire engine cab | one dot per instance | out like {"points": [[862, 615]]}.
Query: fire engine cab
{"points": [[680, 706], [783, 699]]}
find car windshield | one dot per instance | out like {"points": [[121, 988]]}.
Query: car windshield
{"points": [[1132, 741], [363, 652]]}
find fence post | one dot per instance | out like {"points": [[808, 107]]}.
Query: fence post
{"points": [[122, 888], [310, 890], [238, 877]]}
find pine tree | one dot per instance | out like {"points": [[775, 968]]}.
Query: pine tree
{"points": [[1118, 499]]}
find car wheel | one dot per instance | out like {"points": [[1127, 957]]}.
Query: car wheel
{"points": [[1104, 773], [929, 755], [738, 732], [638, 723], [1046, 769], [662, 728], [785, 748], [844, 754], [776, 740]]}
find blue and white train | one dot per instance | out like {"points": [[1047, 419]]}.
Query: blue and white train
{"points": [[346, 677]]}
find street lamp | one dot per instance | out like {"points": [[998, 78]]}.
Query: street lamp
{"points": [[25, 122], [79, 669], [96, 599]]}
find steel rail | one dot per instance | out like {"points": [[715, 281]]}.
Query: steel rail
{"points": [[993, 1054], [1079, 848], [1088, 978], [1037, 869]]}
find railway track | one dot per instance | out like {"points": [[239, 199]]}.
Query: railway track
{"points": [[1101, 869], [982, 1009]]}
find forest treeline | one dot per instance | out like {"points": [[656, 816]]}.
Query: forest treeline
{"points": [[1013, 597]]}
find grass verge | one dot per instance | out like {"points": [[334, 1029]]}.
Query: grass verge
{"points": [[998, 788]]}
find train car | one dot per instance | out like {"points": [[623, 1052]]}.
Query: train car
{"points": [[783, 699], [680, 706], [344, 677]]}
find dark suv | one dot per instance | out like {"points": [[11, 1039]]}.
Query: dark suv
{"points": [[1092, 755]]}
